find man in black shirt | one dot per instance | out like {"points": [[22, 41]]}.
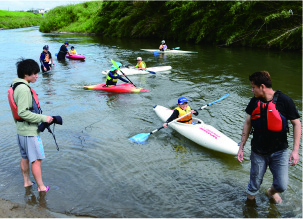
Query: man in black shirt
{"points": [[268, 113], [63, 51]]}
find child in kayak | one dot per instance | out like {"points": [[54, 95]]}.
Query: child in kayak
{"points": [[163, 46], [113, 76], [182, 109], [140, 65], [73, 51]]}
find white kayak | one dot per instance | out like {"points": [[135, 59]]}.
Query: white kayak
{"points": [[203, 134], [135, 71], [168, 51]]}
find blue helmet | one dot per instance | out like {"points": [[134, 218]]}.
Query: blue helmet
{"points": [[113, 68], [182, 100]]}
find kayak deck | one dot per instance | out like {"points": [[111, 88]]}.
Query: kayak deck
{"points": [[201, 133], [135, 71], [77, 57], [120, 88], [168, 51]]}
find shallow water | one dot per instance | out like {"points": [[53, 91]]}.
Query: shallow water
{"points": [[99, 172]]}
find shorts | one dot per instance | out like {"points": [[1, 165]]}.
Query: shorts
{"points": [[31, 147]]}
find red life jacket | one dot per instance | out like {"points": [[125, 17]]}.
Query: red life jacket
{"points": [[266, 117], [36, 105]]}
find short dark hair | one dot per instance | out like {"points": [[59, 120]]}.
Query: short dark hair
{"points": [[27, 67], [261, 77]]}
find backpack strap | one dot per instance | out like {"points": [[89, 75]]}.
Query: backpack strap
{"points": [[276, 95]]}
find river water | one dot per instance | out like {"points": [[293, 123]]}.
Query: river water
{"points": [[98, 172]]}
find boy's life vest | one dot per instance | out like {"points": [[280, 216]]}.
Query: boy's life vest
{"points": [[111, 81], [73, 52], [187, 119], [46, 57], [266, 117], [36, 105], [141, 65]]}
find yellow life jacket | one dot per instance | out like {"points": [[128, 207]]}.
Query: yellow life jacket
{"points": [[73, 52], [187, 119], [111, 81], [141, 65]]}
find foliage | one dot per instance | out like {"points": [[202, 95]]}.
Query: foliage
{"points": [[275, 24], [15, 19]]}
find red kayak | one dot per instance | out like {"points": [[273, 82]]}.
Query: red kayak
{"points": [[120, 88], [78, 57]]}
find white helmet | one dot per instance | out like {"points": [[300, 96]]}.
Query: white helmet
{"points": [[163, 41], [139, 59]]}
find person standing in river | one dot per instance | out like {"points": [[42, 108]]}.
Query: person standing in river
{"points": [[268, 113], [27, 115], [45, 58], [62, 52]]}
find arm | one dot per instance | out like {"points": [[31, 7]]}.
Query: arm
{"points": [[173, 116], [23, 100], [42, 57], [294, 156], [245, 133], [122, 79]]}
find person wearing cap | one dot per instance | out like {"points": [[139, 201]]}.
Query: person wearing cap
{"points": [[63, 51], [45, 57], [163, 46], [113, 76], [140, 64], [182, 109], [72, 51]]}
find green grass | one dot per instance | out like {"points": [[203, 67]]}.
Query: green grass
{"points": [[17, 14], [16, 19]]}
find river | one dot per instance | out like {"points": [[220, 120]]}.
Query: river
{"points": [[98, 172]]}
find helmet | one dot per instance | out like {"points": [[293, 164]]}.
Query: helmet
{"points": [[139, 59], [163, 41], [45, 47], [182, 100], [72, 47], [113, 68], [66, 43]]}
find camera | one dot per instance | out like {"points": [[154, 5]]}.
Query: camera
{"points": [[44, 125]]}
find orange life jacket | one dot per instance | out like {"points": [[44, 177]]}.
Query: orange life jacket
{"points": [[187, 119], [36, 105]]}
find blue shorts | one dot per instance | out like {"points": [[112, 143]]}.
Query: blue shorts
{"points": [[31, 147], [278, 165]]}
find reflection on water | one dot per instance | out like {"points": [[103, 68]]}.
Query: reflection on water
{"points": [[31, 199], [99, 172]]}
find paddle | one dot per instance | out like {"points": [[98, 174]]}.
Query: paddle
{"points": [[175, 48], [122, 72], [142, 137], [152, 72]]}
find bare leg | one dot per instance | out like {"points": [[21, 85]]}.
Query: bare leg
{"points": [[24, 164], [271, 192], [36, 169]]}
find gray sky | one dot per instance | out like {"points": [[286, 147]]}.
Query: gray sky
{"points": [[25, 5]]}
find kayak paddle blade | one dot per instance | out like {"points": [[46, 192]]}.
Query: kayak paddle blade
{"points": [[140, 138]]}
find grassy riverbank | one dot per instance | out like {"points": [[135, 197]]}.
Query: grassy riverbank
{"points": [[223, 23], [16, 19]]}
